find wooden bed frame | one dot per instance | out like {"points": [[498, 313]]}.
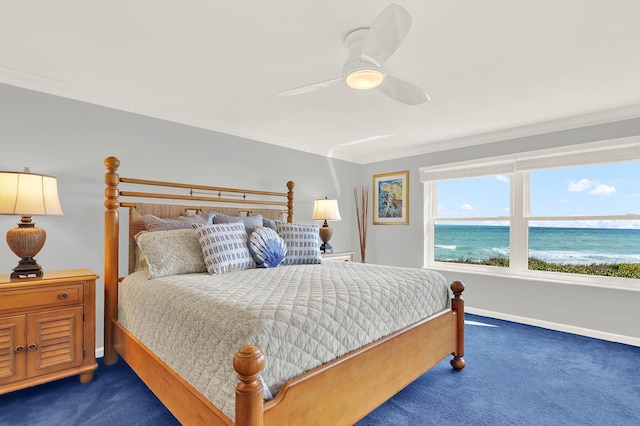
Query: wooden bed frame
{"points": [[339, 392]]}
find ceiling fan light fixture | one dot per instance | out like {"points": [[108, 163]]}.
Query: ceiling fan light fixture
{"points": [[364, 79]]}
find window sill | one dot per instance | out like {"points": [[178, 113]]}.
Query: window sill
{"points": [[628, 284]]}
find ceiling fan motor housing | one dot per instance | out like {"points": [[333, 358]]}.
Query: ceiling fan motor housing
{"points": [[360, 72]]}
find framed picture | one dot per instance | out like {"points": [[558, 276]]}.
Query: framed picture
{"points": [[391, 199]]}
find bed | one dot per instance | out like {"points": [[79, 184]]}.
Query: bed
{"points": [[336, 382]]}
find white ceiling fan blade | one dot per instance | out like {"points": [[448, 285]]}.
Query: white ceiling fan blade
{"points": [[386, 34], [310, 87], [403, 91]]}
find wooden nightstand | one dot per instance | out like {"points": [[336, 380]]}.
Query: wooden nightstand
{"points": [[343, 256], [47, 328]]}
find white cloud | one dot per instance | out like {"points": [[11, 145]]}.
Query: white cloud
{"points": [[467, 207], [594, 187], [502, 178], [581, 185], [602, 189]]}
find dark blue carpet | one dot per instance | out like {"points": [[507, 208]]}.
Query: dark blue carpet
{"points": [[515, 375]]}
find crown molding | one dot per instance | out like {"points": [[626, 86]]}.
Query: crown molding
{"points": [[567, 123]]}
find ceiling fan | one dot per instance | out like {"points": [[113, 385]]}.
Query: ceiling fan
{"points": [[368, 51]]}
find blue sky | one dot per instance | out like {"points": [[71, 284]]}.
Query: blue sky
{"points": [[611, 189]]}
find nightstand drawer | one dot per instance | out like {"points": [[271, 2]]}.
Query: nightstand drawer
{"points": [[62, 295]]}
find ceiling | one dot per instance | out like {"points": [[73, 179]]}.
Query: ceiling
{"points": [[494, 69]]}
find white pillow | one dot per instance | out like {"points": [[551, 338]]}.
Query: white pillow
{"points": [[302, 243], [171, 252], [224, 247], [266, 247]]}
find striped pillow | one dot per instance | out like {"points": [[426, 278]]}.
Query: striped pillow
{"points": [[224, 247], [302, 243], [266, 247]]}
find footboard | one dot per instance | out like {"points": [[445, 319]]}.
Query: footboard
{"points": [[348, 388]]}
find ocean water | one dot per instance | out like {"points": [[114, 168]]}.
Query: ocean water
{"points": [[559, 245]]}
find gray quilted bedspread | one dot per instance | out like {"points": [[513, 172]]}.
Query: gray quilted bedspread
{"points": [[301, 316]]}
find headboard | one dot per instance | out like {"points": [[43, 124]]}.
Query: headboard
{"points": [[164, 197]]}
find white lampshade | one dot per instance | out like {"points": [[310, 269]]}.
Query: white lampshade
{"points": [[326, 210], [26, 194]]}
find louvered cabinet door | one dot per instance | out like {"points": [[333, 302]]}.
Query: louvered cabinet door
{"points": [[54, 341], [12, 349]]}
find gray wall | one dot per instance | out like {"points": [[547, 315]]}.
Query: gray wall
{"points": [[593, 308], [70, 139]]}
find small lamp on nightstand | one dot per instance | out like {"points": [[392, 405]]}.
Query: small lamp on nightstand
{"points": [[27, 194], [326, 210]]}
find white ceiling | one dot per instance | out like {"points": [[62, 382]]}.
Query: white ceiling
{"points": [[493, 68]]}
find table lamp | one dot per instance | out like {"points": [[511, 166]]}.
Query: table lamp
{"points": [[326, 210], [27, 194]]}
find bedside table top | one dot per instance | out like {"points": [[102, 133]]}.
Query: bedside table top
{"points": [[339, 255], [52, 276]]}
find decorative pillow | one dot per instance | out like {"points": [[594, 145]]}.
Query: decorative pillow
{"points": [[250, 222], [154, 223], [271, 223], [171, 252], [141, 262], [266, 247], [224, 247], [302, 243]]}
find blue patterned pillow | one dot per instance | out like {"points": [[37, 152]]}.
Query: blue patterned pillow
{"points": [[302, 243], [266, 247], [224, 247], [250, 222]]}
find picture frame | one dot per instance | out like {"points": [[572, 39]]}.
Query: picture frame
{"points": [[391, 198]]}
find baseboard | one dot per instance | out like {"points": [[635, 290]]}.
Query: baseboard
{"points": [[612, 337], [100, 351]]}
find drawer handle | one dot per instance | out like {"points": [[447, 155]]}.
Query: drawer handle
{"points": [[63, 296], [32, 347], [20, 349]]}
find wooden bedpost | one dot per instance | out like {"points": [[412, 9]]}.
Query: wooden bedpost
{"points": [[290, 186], [457, 304], [248, 363], [111, 234]]}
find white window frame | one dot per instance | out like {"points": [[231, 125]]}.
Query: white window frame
{"points": [[518, 167]]}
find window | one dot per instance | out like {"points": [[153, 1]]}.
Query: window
{"points": [[576, 214], [471, 227]]}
